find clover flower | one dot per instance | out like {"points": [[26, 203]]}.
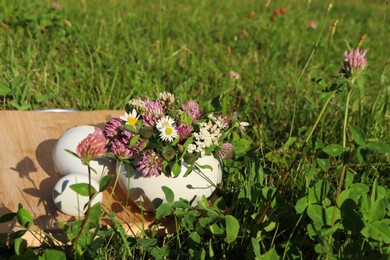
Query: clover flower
{"points": [[138, 104], [167, 99], [150, 164], [121, 150], [354, 61], [184, 131], [93, 146], [192, 109], [226, 151], [113, 128], [153, 112]]}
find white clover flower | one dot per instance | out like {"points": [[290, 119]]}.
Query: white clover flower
{"points": [[130, 118], [243, 125], [191, 148]]}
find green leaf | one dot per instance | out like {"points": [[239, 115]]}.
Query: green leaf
{"points": [[189, 170], [348, 179], [50, 254], [232, 228], [216, 229], [333, 150], [378, 230], [377, 210], [176, 169], [256, 248], [361, 154], [195, 238], [16, 82], [377, 146], [19, 234], [324, 163], [104, 182], [18, 245], [95, 213], [134, 140], [24, 217], [301, 205], [316, 213], [358, 135], [318, 193], [168, 194], [270, 255], [4, 89], [7, 217], [163, 210], [82, 189]]}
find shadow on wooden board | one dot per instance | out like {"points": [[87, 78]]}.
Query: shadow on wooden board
{"points": [[28, 175]]}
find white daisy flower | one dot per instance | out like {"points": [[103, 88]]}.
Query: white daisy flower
{"points": [[165, 122], [169, 133], [130, 118]]}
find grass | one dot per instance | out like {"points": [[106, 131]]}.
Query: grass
{"points": [[95, 54]]}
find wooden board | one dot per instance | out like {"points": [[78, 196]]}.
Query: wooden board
{"points": [[27, 173]]}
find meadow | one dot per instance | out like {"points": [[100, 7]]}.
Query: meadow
{"points": [[312, 176]]}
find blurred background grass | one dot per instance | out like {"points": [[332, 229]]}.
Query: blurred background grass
{"points": [[97, 54]]}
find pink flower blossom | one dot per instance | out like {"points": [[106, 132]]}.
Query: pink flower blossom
{"points": [[113, 128], [153, 112], [94, 145], [354, 60], [184, 131], [150, 164], [192, 109], [234, 75], [311, 24], [226, 151], [121, 150], [56, 5]]}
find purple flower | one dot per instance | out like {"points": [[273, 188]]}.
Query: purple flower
{"points": [[184, 131], [153, 112], [150, 164], [354, 61], [113, 128], [127, 136], [94, 145], [192, 109], [226, 151], [121, 150]]}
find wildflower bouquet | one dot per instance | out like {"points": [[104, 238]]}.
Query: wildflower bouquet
{"points": [[156, 136]]}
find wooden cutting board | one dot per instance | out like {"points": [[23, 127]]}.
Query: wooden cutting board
{"points": [[27, 173]]}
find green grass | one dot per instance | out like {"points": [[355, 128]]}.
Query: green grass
{"points": [[107, 52]]}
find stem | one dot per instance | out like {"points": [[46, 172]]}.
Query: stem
{"points": [[85, 220], [296, 159], [342, 176]]}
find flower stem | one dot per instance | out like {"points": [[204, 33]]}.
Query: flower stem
{"points": [[85, 220], [343, 170]]}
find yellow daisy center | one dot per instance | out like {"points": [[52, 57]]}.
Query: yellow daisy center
{"points": [[166, 123], [132, 121], [168, 131]]}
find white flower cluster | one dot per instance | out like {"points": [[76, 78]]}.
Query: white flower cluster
{"points": [[208, 135]]}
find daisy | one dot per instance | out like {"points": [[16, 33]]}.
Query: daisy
{"points": [[168, 133], [130, 118], [164, 122]]}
